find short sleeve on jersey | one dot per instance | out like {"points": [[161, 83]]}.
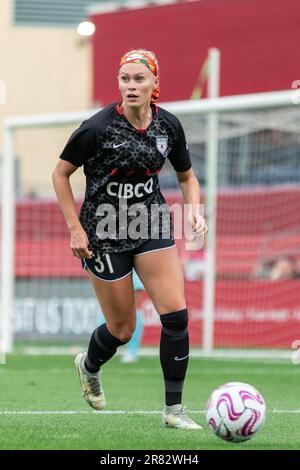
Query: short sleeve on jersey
{"points": [[180, 155], [81, 145]]}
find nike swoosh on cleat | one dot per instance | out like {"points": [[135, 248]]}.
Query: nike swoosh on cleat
{"points": [[180, 358], [119, 145]]}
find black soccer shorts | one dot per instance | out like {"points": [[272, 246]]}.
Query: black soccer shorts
{"points": [[114, 266]]}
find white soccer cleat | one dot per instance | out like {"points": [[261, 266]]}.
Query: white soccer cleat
{"points": [[175, 417], [91, 387]]}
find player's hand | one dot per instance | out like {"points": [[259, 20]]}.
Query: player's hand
{"points": [[198, 223], [79, 244]]}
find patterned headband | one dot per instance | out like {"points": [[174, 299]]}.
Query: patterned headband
{"points": [[140, 57]]}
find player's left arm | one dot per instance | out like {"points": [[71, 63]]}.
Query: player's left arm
{"points": [[190, 189]]}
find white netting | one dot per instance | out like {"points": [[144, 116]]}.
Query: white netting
{"points": [[258, 225]]}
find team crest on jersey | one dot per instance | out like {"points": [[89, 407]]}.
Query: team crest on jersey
{"points": [[162, 143]]}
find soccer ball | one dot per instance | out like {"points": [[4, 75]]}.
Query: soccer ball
{"points": [[235, 411]]}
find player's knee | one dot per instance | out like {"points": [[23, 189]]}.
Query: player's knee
{"points": [[126, 335], [172, 303], [123, 332]]}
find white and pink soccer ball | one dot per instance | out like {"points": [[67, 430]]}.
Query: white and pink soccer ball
{"points": [[235, 411]]}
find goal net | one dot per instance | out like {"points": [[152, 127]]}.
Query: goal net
{"points": [[242, 289]]}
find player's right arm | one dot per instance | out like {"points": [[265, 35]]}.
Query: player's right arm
{"points": [[61, 182]]}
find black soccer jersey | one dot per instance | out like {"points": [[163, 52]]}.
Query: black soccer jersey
{"points": [[121, 164]]}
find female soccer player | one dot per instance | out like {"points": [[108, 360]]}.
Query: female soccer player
{"points": [[125, 222]]}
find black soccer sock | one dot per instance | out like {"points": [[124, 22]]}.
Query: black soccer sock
{"points": [[103, 345], [174, 353]]}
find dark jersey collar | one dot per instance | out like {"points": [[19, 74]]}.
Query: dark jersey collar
{"points": [[154, 112], [153, 107]]}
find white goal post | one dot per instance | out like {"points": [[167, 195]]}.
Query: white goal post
{"points": [[205, 107]]}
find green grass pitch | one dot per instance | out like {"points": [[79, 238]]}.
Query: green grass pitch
{"points": [[41, 405]]}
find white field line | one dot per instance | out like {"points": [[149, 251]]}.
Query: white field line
{"points": [[115, 412]]}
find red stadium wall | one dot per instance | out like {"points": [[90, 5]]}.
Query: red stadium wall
{"points": [[249, 312], [257, 38], [41, 233]]}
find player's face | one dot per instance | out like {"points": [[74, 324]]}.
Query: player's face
{"points": [[136, 84]]}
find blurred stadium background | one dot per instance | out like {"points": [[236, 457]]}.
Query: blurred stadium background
{"points": [[48, 68]]}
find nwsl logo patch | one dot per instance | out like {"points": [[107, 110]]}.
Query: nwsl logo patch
{"points": [[162, 144]]}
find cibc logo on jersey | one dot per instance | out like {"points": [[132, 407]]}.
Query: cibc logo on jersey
{"points": [[129, 190]]}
